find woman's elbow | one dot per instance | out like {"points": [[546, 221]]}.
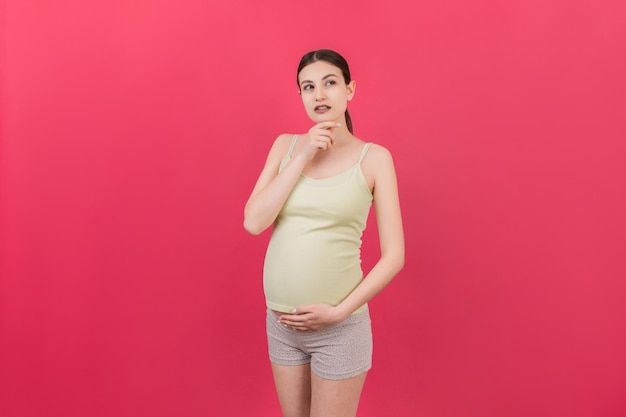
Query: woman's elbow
{"points": [[398, 261], [251, 227], [255, 225], [394, 261]]}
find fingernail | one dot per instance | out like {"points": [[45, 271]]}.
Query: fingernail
{"points": [[338, 124], [293, 311]]}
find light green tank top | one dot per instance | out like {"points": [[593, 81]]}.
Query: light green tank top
{"points": [[314, 254]]}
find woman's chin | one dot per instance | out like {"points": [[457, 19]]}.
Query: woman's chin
{"points": [[320, 118]]}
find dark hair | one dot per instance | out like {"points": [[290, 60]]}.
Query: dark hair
{"points": [[332, 58]]}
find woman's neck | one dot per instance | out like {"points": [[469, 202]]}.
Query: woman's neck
{"points": [[342, 135]]}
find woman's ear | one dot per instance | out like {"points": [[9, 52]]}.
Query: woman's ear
{"points": [[351, 88]]}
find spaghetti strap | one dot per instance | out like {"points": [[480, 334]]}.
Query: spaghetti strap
{"points": [[293, 144], [364, 151]]}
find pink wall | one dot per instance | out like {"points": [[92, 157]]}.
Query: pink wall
{"points": [[133, 131]]}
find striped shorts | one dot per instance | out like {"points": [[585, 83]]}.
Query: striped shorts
{"points": [[340, 351]]}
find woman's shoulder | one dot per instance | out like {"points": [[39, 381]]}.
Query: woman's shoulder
{"points": [[377, 152], [377, 161], [282, 143], [285, 139]]}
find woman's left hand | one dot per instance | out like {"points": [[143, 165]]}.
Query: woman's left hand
{"points": [[312, 317]]}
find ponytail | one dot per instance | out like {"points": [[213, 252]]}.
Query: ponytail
{"points": [[349, 122]]}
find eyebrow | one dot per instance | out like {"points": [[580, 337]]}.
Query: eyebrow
{"points": [[323, 78]]}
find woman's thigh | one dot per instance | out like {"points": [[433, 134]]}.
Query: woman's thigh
{"points": [[336, 398], [293, 385]]}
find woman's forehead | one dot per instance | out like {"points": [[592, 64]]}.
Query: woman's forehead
{"points": [[318, 70]]}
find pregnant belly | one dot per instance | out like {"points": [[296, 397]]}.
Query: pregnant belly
{"points": [[284, 293]]}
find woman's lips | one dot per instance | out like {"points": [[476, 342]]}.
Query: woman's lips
{"points": [[321, 109]]}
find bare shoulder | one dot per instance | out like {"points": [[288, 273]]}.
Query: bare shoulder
{"points": [[280, 147], [283, 141], [378, 152], [377, 166], [378, 157]]}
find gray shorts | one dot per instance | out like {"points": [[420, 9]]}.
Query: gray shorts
{"points": [[340, 351]]}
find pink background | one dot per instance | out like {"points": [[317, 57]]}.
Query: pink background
{"points": [[132, 134]]}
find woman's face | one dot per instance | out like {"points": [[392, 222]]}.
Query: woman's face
{"points": [[324, 92]]}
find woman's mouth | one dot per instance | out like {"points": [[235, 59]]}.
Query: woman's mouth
{"points": [[321, 109]]}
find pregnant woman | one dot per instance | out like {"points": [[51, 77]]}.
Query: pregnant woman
{"points": [[316, 190]]}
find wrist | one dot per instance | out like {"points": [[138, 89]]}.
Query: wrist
{"points": [[341, 313]]}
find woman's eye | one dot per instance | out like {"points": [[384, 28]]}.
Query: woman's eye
{"points": [[308, 87], [331, 82]]}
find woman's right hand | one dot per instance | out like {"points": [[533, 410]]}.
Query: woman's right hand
{"points": [[320, 138]]}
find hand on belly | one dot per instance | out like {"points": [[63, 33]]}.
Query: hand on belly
{"points": [[311, 317]]}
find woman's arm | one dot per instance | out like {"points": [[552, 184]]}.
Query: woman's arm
{"points": [[272, 188], [391, 236], [390, 233]]}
